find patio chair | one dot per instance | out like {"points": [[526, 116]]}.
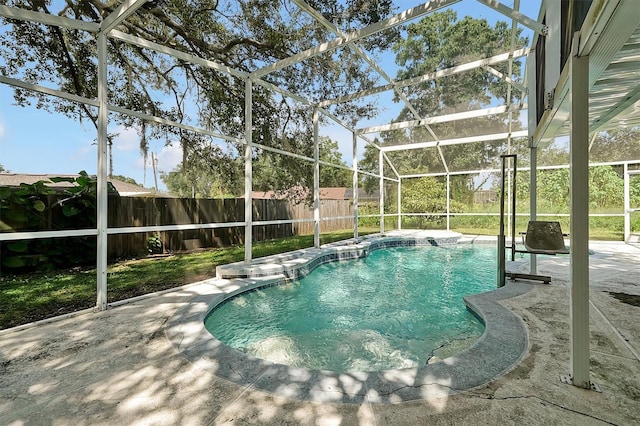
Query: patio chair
{"points": [[542, 237]]}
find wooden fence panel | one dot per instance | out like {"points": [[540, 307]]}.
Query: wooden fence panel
{"points": [[156, 211]]}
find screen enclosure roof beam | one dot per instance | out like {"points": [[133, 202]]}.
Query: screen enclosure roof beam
{"points": [[372, 29], [122, 12], [430, 76], [515, 15], [48, 19], [458, 141], [443, 118]]}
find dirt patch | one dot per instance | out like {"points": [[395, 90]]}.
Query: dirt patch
{"points": [[629, 299]]}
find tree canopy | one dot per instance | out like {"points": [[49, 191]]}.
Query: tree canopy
{"points": [[210, 172], [242, 34], [440, 41]]}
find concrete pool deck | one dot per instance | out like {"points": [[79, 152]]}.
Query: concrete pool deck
{"points": [[119, 367]]}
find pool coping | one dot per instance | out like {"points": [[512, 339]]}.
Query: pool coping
{"points": [[298, 263], [501, 347]]}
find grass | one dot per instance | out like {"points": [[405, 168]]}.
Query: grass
{"points": [[36, 296], [39, 295]]}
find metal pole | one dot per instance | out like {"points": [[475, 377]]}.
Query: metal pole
{"points": [[102, 194], [533, 201], [399, 202], [532, 118], [448, 201], [354, 164], [579, 157], [501, 261], [513, 208], [248, 171], [316, 180], [381, 170]]}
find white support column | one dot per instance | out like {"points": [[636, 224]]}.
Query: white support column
{"points": [[102, 194], [354, 164], [381, 171], [579, 158], [532, 119], [448, 201], [627, 203], [248, 171], [316, 180], [399, 202], [533, 201]]}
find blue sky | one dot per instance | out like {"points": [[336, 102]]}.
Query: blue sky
{"points": [[36, 141]]}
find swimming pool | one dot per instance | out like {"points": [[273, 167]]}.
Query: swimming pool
{"points": [[398, 307], [501, 346]]}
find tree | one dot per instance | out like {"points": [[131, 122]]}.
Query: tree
{"points": [[294, 181], [3, 170], [616, 145], [440, 41], [244, 35], [426, 195], [207, 172], [125, 179]]}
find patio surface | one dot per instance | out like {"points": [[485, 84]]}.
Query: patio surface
{"points": [[119, 367]]}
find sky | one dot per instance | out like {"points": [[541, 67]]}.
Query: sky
{"points": [[36, 141]]}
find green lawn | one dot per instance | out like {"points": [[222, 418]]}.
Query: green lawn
{"points": [[31, 297]]}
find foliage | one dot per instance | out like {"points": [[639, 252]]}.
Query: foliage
{"points": [[440, 41], [35, 296], [154, 244], [606, 189], [124, 179], [209, 172], [244, 35], [34, 207], [3, 170], [616, 145], [427, 195], [206, 172]]}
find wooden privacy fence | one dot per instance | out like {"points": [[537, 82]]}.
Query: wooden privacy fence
{"points": [[147, 211]]}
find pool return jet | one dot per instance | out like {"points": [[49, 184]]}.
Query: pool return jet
{"points": [[541, 237]]}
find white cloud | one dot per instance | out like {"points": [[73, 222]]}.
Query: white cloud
{"points": [[83, 152], [168, 157], [127, 139], [1, 129]]}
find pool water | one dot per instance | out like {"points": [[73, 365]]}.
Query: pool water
{"points": [[396, 308]]}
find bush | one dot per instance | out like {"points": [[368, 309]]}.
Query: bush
{"points": [[37, 207]]}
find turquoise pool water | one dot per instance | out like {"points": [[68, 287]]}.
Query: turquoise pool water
{"points": [[395, 308]]}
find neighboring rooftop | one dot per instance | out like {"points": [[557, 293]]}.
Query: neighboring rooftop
{"points": [[125, 189]]}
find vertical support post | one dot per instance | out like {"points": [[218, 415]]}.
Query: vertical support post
{"points": [[316, 180], [448, 201], [627, 203], [399, 202], [248, 171], [102, 194], [381, 170], [356, 200], [579, 159], [513, 207], [532, 119], [533, 200], [501, 244]]}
